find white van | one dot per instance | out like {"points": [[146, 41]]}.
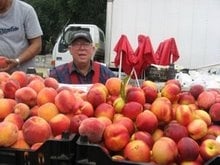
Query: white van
{"points": [[61, 54]]}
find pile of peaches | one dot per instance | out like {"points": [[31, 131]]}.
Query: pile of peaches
{"points": [[159, 125]]}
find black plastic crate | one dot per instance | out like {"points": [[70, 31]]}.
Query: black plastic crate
{"points": [[93, 154], [213, 161], [52, 152], [157, 74]]}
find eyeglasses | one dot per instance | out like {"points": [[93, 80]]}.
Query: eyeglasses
{"points": [[78, 45]]}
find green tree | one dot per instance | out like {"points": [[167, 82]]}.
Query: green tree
{"points": [[55, 14]]}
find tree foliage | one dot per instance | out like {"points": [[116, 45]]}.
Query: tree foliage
{"points": [[55, 14]]}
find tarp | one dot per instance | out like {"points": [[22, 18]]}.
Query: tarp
{"points": [[144, 55], [167, 52], [136, 60], [124, 55]]}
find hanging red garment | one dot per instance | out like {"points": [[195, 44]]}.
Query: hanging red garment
{"points": [[167, 52], [124, 50], [144, 54]]}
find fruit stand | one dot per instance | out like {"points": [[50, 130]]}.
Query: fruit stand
{"points": [[44, 122]]}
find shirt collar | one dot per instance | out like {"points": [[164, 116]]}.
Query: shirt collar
{"points": [[72, 67]]}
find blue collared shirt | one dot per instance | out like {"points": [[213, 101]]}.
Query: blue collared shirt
{"points": [[63, 73]]}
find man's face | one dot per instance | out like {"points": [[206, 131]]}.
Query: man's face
{"points": [[81, 50]]}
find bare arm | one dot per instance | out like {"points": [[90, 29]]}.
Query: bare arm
{"points": [[35, 46]]}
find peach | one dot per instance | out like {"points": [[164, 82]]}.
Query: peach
{"points": [[9, 133], [36, 84], [162, 108], [20, 144], [22, 109], [105, 120], [104, 109], [157, 134], [3, 62], [47, 111], [117, 157], [205, 100], [135, 94], [196, 89], [116, 137], [85, 108], [26, 95], [51, 82], [118, 104], [144, 136], [209, 148], [65, 101], [36, 146], [31, 77], [34, 111], [164, 151], [92, 128], [146, 121], [204, 115], [188, 149], [127, 122], [16, 119], [97, 94], [3, 77], [137, 151], [21, 77], [113, 85], [149, 83], [186, 98], [174, 81], [184, 114], [1, 93], [46, 95], [175, 131], [59, 123], [36, 130], [7, 106], [132, 109], [171, 91], [20, 135], [214, 130], [150, 94], [9, 87], [75, 122], [197, 129], [214, 112]]}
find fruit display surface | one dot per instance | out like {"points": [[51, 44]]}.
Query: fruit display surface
{"points": [[130, 124]]}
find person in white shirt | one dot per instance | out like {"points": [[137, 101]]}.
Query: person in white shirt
{"points": [[20, 35]]}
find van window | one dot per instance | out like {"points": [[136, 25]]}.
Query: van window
{"points": [[62, 47], [101, 35]]}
